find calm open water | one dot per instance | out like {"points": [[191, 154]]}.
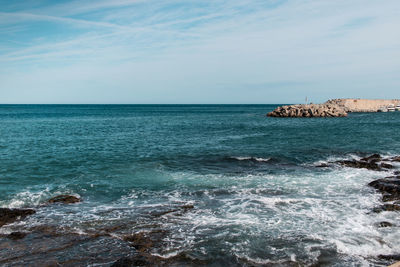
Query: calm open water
{"points": [[258, 197]]}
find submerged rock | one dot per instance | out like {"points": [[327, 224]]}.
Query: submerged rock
{"points": [[66, 199], [11, 215]]}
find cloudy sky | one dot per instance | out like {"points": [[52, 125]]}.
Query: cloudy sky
{"points": [[203, 51]]}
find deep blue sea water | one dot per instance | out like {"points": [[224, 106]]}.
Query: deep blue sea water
{"points": [[258, 197]]}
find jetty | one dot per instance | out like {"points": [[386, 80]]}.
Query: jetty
{"points": [[332, 108], [363, 105]]}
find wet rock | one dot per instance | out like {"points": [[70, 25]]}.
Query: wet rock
{"points": [[66, 199], [138, 260], [396, 159], [360, 164], [62, 249], [389, 187], [390, 257], [17, 235], [373, 157], [178, 211], [386, 166], [11, 215], [387, 207], [140, 241], [385, 224], [322, 165]]}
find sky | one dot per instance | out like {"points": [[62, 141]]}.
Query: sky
{"points": [[198, 52]]}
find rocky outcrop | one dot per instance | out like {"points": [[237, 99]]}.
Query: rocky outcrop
{"points": [[66, 199], [374, 162], [308, 111], [389, 187], [11, 215]]}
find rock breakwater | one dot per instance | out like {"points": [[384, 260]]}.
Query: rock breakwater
{"points": [[309, 111]]}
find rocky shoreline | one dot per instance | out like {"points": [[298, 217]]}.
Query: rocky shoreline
{"points": [[134, 247]]}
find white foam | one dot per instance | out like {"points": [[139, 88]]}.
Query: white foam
{"points": [[252, 158]]}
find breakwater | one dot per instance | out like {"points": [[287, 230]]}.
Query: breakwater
{"points": [[309, 111], [363, 105], [333, 108]]}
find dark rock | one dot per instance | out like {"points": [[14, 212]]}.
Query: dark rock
{"points": [[389, 187], [66, 199], [360, 164], [396, 159], [17, 235], [385, 224], [387, 207], [386, 166], [12, 215], [395, 257], [374, 157], [179, 210], [322, 165], [137, 260], [140, 241]]}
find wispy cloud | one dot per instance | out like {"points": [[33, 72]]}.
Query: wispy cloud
{"points": [[198, 49]]}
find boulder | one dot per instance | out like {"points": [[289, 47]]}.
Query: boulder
{"points": [[389, 187], [66, 199], [11, 215]]}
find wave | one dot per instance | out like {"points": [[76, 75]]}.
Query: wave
{"points": [[253, 159]]}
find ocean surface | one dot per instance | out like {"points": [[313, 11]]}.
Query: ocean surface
{"points": [[212, 185]]}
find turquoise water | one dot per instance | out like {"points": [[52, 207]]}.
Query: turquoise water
{"points": [[258, 197]]}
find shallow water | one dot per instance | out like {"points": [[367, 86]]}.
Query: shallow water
{"points": [[258, 197]]}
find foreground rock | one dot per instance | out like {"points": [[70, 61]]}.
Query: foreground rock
{"points": [[66, 199], [389, 187], [11, 215], [309, 111]]}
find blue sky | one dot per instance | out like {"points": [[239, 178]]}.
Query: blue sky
{"points": [[138, 51]]}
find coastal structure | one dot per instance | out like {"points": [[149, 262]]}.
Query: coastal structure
{"points": [[309, 111], [363, 105], [335, 108]]}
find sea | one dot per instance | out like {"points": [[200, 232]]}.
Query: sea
{"points": [[193, 185]]}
